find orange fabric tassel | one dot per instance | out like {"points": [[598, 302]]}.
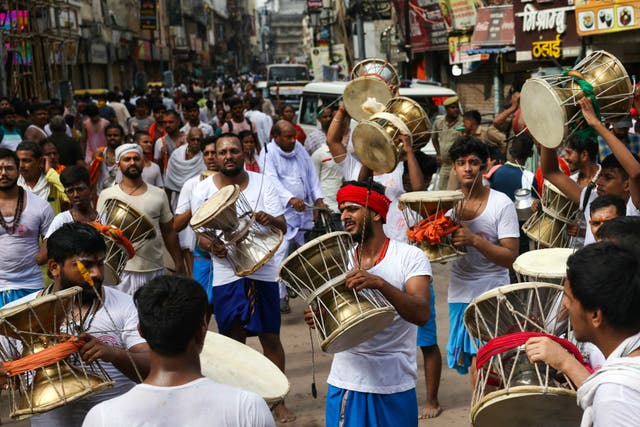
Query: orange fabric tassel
{"points": [[46, 357], [115, 234], [433, 228]]}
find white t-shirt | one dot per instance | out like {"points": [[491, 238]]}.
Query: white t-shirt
{"points": [[386, 363], [200, 403], [589, 238], [187, 237], [58, 221], [474, 274], [155, 206], [396, 226], [329, 173], [114, 324], [267, 200], [18, 267], [616, 405]]}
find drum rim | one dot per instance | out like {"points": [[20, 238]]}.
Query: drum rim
{"points": [[234, 192], [385, 63], [279, 377], [521, 391], [558, 102], [310, 244], [361, 147], [429, 196], [553, 254]]}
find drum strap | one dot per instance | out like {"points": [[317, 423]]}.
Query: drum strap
{"points": [[587, 193]]}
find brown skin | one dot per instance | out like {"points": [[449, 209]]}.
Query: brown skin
{"points": [[66, 274], [230, 162], [135, 186], [30, 166], [40, 119]]}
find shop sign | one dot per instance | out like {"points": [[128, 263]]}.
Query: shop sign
{"points": [[418, 30], [459, 15], [494, 26], [458, 47], [436, 30], [148, 15], [607, 16], [545, 30]]}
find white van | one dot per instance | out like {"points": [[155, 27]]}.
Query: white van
{"points": [[316, 94]]}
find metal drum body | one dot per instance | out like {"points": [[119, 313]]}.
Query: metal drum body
{"points": [[227, 218], [418, 205], [549, 104], [344, 317], [511, 391], [32, 327], [134, 225], [556, 204], [543, 265], [546, 231]]}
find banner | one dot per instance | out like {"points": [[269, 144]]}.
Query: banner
{"points": [[148, 15], [494, 27], [458, 47], [607, 16], [459, 15]]}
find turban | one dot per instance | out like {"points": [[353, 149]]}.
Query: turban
{"points": [[125, 148], [379, 203]]}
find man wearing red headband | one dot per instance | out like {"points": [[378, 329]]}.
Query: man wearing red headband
{"points": [[373, 383]]}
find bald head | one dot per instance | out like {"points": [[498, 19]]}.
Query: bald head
{"points": [[284, 135]]}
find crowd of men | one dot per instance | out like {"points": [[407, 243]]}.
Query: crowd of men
{"points": [[61, 164]]}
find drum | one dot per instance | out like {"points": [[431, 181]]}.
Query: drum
{"points": [[228, 361], [373, 79], [510, 390], [557, 205], [227, 218], [549, 104], [119, 251], [379, 68], [376, 141], [344, 317], [545, 265], [546, 231], [429, 229], [134, 225], [36, 326]]}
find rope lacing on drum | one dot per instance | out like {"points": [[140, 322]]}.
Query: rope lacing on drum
{"points": [[587, 89]]}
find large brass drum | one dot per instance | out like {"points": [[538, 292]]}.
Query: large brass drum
{"points": [[549, 104], [33, 326], [371, 78], [135, 225], [344, 317]]}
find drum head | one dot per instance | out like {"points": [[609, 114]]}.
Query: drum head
{"points": [[358, 330], [427, 202], [230, 362], [375, 147], [38, 315], [543, 112], [550, 263], [222, 199], [359, 90], [531, 407]]}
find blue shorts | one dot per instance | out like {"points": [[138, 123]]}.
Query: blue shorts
{"points": [[231, 302], [203, 271], [460, 347], [428, 334], [11, 295], [371, 409]]}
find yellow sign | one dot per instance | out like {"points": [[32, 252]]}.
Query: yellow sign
{"points": [[606, 16], [546, 48]]}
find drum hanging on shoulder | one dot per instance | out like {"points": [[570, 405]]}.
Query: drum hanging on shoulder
{"points": [[549, 104], [33, 327], [228, 219], [344, 317], [510, 390], [429, 228]]}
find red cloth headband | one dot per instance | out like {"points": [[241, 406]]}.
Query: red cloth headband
{"points": [[377, 202]]}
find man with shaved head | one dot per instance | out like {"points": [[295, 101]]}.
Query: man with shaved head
{"points": [[288, 163]]}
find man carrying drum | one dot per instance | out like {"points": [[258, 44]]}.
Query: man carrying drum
{"points": [[76, 258], [246, 306], [173, 317], [602, 294], [619, 174], [490, 235], [153, 203], [373, 383]]}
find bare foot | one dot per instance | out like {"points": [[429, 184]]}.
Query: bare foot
{"points": [[282, 414], [430, 410]]}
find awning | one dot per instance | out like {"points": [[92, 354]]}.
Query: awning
{"points": [[490, 50]]}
